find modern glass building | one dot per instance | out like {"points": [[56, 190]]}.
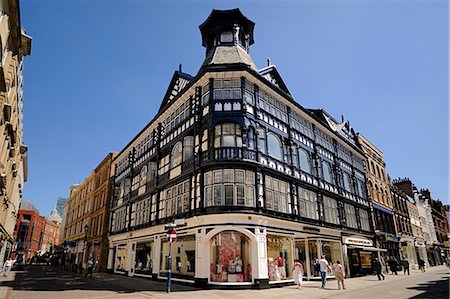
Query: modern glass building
{"points": [[254, 179]]}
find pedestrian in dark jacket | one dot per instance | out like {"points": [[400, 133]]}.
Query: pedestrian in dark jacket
{"points": [[377, 269], [405, 265], [393, 265]]}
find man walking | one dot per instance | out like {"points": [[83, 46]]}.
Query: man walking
{"points": [[90, 267], [324, 267], [405, 266], [422, 265], [377, 268], [393, 264]]}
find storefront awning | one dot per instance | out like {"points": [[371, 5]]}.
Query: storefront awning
{"points": [[367, 248]]}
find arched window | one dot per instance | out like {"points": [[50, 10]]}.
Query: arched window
{"points": [[347, 182], [274, 147], [143, 176], [228, 135], [376, 194], [326, 168], [251, 139], [230, 251], [305, 161], [188, 148], [371, 190], [152, 170], [176, 155]]}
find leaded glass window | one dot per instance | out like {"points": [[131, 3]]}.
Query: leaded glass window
{"points": [[277, 194], [350, 216], [305, 160], [228, 135], [330, 208], [229, 187], [274, 146], [326, 170], [176, 155], [308, 203]]}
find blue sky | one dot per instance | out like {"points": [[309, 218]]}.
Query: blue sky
{"points": [[99, 70]]}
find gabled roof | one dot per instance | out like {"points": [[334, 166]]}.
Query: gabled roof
{"points": [[271, 74], [343, 129], [177, 84]]}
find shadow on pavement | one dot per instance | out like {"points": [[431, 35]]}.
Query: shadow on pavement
{"points": [[45, 278], [435, 289]]}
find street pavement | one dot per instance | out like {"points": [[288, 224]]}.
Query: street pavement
{"points": [[48, 283]]}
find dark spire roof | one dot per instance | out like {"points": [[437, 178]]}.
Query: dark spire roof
{"points": [[218, 18]]}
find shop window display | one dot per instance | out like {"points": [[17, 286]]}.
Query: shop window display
{"points": [[332, 251], [121, 258], [279, 257], [143, 260], [183, 256], [313, 247], [300, 253], [230, 257]]}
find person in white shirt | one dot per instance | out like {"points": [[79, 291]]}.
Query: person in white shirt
{"points": [[7, 266], [324, 267]]}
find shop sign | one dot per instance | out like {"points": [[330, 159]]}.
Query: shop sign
{"points": [[357, 241]]}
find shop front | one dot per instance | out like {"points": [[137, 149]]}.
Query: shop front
{"points": [[279, 257], [143, 260], [120, 264], [408, 252], [360, 254], [309, 251], [230, 258], [183, 257]]}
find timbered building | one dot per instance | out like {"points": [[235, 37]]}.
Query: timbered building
{"points": [[253, 179]]}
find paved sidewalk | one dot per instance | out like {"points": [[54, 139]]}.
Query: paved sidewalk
{"points": [[5, 290], [48, 283]]}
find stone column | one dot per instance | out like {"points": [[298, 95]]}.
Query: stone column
{"points": [[110, 264], [260, 271], [202, 253]]}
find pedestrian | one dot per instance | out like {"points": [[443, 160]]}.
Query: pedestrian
{"points": [[422, 265], [298, 273], [339, 274], [324, 267], [378, 269], [405, 266], [393, 264], [7, 266], [90, 267]]}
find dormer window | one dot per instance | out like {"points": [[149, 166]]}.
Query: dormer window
{"points": [[226, 37]]}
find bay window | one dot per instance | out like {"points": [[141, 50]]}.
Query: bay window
{"points": [[228, 135]]}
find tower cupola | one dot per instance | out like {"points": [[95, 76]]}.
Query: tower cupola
{"points": [[227, 36]]}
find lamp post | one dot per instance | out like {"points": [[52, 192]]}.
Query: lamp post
{"points": [[86, 229]]}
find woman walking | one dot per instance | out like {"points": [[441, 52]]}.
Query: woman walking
{"points": [[339, 274], [298, 273]]}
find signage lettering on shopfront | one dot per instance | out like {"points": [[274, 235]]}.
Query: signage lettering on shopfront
{"points": [[357, 241]]}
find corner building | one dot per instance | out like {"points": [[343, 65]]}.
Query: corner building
{"points": [[254, 179]]}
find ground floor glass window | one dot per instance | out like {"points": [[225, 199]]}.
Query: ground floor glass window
{"points": [[279, 257], [143, 260], [121, 258], [183, 256], [230, 257], [332, 251]]}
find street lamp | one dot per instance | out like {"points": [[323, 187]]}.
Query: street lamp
{"points": [[86, 229]]}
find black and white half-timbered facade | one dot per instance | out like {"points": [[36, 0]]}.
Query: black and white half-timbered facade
{"points": [[255, 179]]}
